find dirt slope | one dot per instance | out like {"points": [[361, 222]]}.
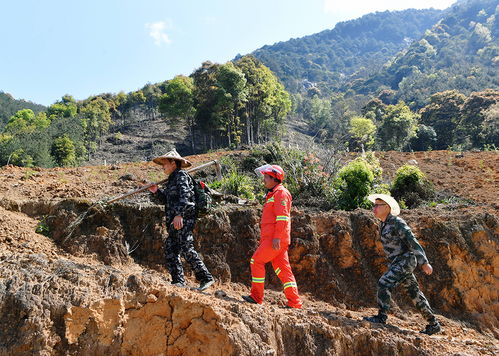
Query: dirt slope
{"points": [[103, 290]]}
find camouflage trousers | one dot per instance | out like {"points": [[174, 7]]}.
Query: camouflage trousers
{"points": [[400, 272], [181, 243]]}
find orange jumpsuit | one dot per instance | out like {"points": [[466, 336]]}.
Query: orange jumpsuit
{"points": [[275, 224]]}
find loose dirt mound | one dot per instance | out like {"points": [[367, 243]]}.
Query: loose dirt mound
{"points": [[103, 289], [470, 175]]}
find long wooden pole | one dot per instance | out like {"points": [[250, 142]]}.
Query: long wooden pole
{"points": [[147, 186]]}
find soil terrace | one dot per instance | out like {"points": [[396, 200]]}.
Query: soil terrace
{"points": [[134, 301]]}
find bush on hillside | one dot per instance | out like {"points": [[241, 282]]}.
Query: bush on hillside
{"points": [[237, 184], [354, 183], [308, 181], [411, 187]]}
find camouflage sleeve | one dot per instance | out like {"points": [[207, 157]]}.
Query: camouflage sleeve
{"points": [[160, 194], [411, 242], [185, 192]]}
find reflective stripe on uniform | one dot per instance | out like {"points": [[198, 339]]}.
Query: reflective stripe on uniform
{"points": [[258, 280], [289, 284], [277, 271], [282, 218], [271, 200], [252, 261]]}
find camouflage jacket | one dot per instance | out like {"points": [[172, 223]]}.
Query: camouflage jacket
{"points": [[178, 196], [398, 239]]}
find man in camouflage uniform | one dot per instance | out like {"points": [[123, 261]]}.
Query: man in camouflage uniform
{"points": [[404, 254], [179, 200]]}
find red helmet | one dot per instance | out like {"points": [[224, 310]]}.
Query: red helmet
{"points": [[272, 170]]}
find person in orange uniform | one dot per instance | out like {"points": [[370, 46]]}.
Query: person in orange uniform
{"points": [[275, 231]]}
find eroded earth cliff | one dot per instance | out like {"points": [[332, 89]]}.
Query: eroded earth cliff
{"points": [[99, 287]]}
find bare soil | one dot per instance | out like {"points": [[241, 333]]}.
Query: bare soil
{"points": [[95, 296]]}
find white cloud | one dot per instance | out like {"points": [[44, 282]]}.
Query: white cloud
{"points": [[366, 6], [157, 32]]}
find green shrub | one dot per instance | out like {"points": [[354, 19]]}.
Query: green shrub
{"points": [[63, 151], [28, 173], [306, 178], [354, 183], [228, 164], [43, 228], [373, 164], [411, 186], [382, 188], [20, 158], [236, 184]]}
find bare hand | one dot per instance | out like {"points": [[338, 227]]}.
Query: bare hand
{"points": [[276, 244], [178, 222], [153, 188], [427, 268]]}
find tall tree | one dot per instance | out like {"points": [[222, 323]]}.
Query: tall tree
{"points": [[267, 99], [363, 131], [152, 94], [473, 118], [232, 95], [96, 120], [443, 114], [25, 121], [63, 151], [66, 107], [398, 127], [205, 100], [178, 103]]}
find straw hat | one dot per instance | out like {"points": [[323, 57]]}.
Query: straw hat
{"points": [[173, 154], [395, 208]]}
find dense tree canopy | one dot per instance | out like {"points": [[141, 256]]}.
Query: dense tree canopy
{"points": [[352, 49], [407, 80]]}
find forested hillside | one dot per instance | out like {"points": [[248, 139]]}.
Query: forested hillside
{"points": [[9, 106], [405, 80], [353, 49], [460, 52], [221, 105], [439, 93]]}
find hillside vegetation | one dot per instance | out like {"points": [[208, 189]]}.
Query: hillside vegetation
{"points": [[410, 80], [104, 290], [460, 52], [352, 49], [9, 106]]}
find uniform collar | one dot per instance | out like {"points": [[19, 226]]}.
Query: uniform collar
{"points": [[275, 187], [388, 218], [174, 173]]}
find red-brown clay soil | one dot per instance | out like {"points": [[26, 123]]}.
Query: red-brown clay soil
{"points": [[473, 175], [92, 295]]}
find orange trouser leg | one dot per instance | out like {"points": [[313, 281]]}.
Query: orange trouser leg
{"points": [[280, 261], [283, 270], [263, 254]]}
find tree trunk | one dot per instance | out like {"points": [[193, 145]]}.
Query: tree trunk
{"points": [[248, 129], [191, 131], [258, 132]]}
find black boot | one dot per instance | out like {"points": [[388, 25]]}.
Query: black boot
{"points": [[205, 284], [380, 318], [179, 284], [432, 328], [249, 299]]}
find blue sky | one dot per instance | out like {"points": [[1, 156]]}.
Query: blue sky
{"points": [[50, 48]]}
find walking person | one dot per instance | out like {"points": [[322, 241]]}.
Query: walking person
{"points": [[404, 253], [275, 230], [178, 197]]}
